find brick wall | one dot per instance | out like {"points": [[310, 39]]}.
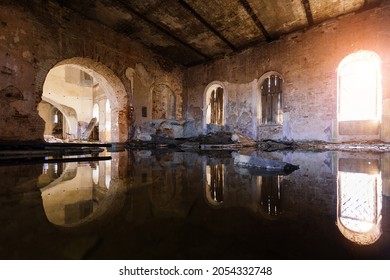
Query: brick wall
{"points": [[307, 61], [36, 37]]}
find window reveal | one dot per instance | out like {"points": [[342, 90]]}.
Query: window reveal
{"points": [[216, 104], [271, 100]]}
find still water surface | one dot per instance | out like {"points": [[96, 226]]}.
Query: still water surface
{"points": [[184, 205]]}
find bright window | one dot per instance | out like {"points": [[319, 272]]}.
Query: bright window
{"points": [[359, 87]]}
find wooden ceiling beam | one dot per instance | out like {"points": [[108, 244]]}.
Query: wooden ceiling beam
{"points": [[163, 30], [309, 15], [207, 24], [256, 20]]}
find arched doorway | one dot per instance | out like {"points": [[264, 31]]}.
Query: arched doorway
{"points": [[80, 84]]}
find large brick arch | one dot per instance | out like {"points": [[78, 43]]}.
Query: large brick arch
{"points": [[109, 82]]}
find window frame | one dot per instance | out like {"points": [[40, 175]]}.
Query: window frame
{"points": [[206, 104], [279, 115]]}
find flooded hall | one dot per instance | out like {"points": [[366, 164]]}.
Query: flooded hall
{"points": [[195, 130]]}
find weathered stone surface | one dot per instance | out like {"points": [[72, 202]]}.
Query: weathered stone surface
{"points": [[170, 129], [262, 163], [141, 136], [11, 93], [189, 129]]}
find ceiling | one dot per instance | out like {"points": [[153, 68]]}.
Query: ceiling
{"points": [[192, 32]]}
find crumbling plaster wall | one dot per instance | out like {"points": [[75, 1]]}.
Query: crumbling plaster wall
{"points": [[307, 61], [34, 38]]}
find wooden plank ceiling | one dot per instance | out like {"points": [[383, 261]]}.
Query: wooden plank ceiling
{"points": [[192, 32]]}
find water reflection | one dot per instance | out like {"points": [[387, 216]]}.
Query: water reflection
{"points": [[359, 200], [51, 172], [271, 195], [71, 192], [165, 204], [74, 194], [215, 183], [228, 186]]}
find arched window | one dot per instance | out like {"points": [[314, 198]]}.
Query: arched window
{"points": [[359, 87], [271, 98], [108, 121], [95, 112], [56, 118], [214, 104], [58, 126]]}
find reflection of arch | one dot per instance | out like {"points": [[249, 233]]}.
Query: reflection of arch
{"points": [[112, 87], [57, 172], [214, 104], [164, 102], [54, 172], [359, 205], [107, 180], [270, 196], [95, 175], [70, 202], [114, 197], [215, 184]]}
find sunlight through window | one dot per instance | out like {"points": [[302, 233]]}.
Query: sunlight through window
{"points": [[359, 86]]}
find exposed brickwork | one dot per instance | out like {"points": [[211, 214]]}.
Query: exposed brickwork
{"points": [[307, 61], [34, 39]]}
